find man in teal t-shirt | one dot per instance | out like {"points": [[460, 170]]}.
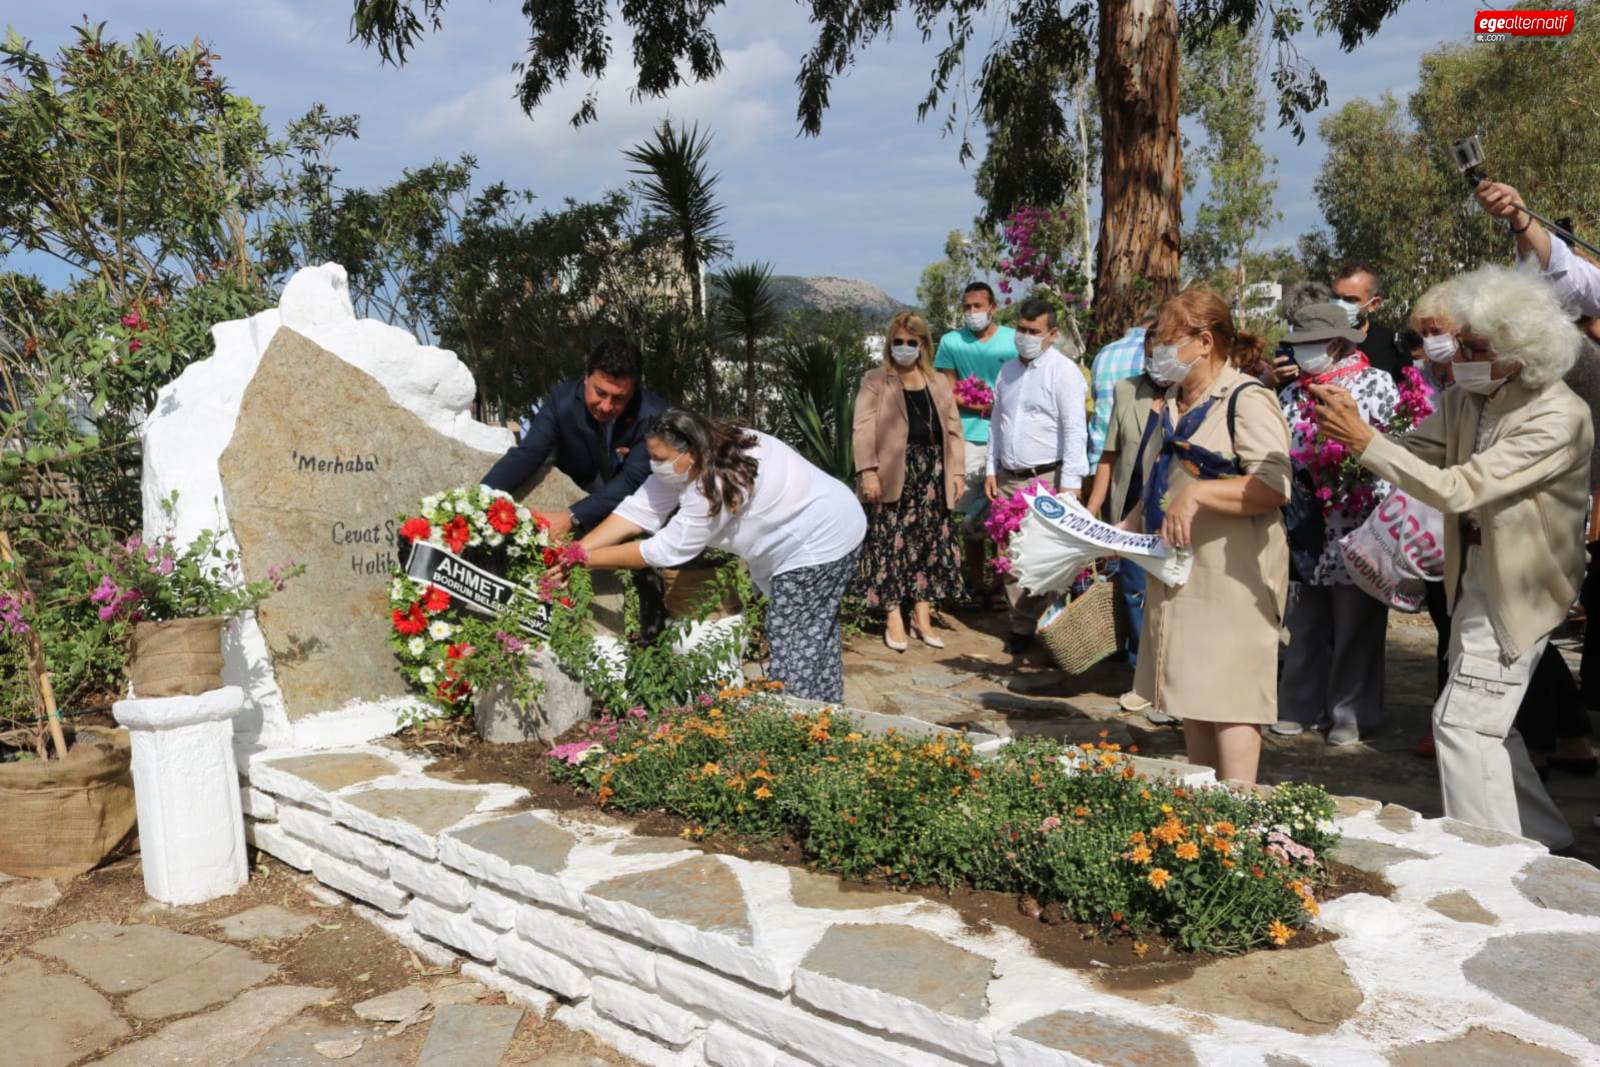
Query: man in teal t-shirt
{"points": [[977, 349]]}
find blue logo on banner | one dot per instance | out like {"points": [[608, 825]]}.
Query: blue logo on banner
{"points": [[1048, 506]]}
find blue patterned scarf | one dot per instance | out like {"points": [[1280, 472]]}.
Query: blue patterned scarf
{"points": [[1200, 462]]}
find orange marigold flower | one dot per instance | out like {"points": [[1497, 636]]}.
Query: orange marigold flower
{"points": [[1279, 933], [1169, 832], [762, 793], [1140, 854], [1228, 864], [1136, 838], [1080, 812], [709, 769], [1223, 847], [1188, 851], [1140, 948], [1159, 877], [1225, 829], [1127, 770]]}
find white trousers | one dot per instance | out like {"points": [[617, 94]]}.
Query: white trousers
{"points": [[1484, 769]]}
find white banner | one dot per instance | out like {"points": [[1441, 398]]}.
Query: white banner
{"points": [[1059, 537]]}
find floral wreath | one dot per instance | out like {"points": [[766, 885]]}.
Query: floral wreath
{"points": [[446, 650]]}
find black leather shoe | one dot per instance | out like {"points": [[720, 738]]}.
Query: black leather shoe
{"points": [[1017, 644]]}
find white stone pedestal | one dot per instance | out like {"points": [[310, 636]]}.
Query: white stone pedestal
{"points": [[186, 789]]}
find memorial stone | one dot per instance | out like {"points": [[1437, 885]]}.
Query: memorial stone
{"points": [[306, 435]]}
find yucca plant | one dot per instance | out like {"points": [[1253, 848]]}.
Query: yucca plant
{"points": [[818, 387], [747, 308]]}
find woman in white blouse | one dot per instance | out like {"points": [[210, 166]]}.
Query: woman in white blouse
{"points": [[796, 527]]}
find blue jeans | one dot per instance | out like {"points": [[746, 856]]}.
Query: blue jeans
{"points": [[1130, 578]]}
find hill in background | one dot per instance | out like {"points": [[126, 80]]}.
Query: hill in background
{"points": [[827, 294]]}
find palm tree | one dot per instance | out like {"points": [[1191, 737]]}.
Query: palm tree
{"points": [[819, 391], [747, 308], [676, 185]]}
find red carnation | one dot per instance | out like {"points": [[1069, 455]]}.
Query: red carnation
{"points": [[411, 622], [540, 521], [416, 529], [435, 600], [502, 516], [566, 602], [458, 651], [551, 555], [456, 533]]}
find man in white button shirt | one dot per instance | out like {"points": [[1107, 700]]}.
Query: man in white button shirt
{"points": [[1038, 430], [1576, 280]]}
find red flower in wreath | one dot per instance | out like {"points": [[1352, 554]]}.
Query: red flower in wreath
{"points": [[551, 556], [502, 515], [452, 692], [410, 623], [458, 651], [566, 602], [435, 600], [540, 521], [417, 529], [457, 533]]}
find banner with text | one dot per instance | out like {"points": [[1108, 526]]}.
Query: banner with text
{"points": [[479, 591], [1059, 537]]}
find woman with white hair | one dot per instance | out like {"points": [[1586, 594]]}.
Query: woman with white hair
{"points": [[1505, 456]]}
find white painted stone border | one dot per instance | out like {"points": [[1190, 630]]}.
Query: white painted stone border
{"points": [[668, 993]]}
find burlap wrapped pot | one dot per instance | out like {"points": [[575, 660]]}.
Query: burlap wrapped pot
{"points": [[179, 657]]}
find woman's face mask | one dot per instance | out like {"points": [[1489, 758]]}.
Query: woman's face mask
{"points": [[1167, 366], [1313, 358], [667, 470], [905, 353], [1439, 347]]}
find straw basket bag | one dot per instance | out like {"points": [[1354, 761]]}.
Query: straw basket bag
{"points": [[1086, 630], [180, 657]]}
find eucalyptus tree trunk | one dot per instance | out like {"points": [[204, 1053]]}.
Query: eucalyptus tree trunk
{"points": [[1141, 160]]}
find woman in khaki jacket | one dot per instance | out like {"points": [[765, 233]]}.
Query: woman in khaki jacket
{"points": [[1505, 456], [1216, 474], [909, 458]]}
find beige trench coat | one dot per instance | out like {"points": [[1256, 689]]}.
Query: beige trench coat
{"points": [[881, 425], [1209, 650]]}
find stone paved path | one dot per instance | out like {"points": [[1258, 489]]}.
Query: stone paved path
{"points": [[92, 972]]}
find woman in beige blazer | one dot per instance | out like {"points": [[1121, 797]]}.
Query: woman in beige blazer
{"points": [[1208, 653], [1505, 456], [911, 468]]}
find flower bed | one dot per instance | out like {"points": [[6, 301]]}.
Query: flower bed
{"points": [[1209, 867]]}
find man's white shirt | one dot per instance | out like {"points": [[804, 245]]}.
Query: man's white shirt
{"points": [[1040, 418]]}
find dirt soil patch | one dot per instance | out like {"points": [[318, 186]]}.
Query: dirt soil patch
{"points": [[1080, 946]]}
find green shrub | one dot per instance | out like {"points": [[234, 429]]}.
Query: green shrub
{"points": [[1211, 868]]}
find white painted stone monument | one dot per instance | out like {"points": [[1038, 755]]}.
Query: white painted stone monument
{"points": [[305, 434]]}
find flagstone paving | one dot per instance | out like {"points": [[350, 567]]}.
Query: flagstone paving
{"points": [[1480, 1048], [1462, 907], [1100, 1039], [1562, 884], [1555, 976], [52, 1019], [268, 921]]}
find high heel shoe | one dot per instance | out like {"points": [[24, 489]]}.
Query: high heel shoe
{"points": [[894, 646], [926, 638]]}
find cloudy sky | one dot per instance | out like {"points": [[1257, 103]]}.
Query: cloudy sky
{"points": [[872, 197]]}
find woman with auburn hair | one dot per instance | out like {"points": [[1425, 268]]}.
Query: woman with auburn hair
{"points": [[1505, 455], [718, 485], [910, 464], [1216, 474]]}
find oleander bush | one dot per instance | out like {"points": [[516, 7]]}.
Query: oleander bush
{"points": [[1211, 868]]}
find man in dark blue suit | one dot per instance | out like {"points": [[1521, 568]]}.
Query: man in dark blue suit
{"points": [[593, 430]]}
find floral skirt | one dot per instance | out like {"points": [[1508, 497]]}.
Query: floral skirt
{"points": [[912, 551]]}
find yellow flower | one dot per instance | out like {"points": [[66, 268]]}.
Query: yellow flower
{"points": [[709, 769], [1166, 809], [852, 736], [1279, 933], [762, 793], [1188, 851], [1159, 878], [1140, 948]]}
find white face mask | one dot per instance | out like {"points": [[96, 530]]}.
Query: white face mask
{"points": [[1439, 347], [1351, 308], [905, 355], [977, 321], [1477, 377], [1313, 358], [667, 471], [1029, 347], [1165, 366]]}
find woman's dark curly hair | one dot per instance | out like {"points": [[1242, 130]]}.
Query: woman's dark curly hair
{"points": [[720, 454]]}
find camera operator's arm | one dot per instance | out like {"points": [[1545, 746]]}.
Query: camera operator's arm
{"points": [[1576, 280]]}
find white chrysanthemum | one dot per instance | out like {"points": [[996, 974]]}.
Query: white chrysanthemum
{"points": [[416, 646], [430, 501], [524, 534], [440, 630], [397, 589], [494, 539], [426, 676]]}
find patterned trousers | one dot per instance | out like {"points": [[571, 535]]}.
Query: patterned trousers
{"points": [[803, 629]]}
